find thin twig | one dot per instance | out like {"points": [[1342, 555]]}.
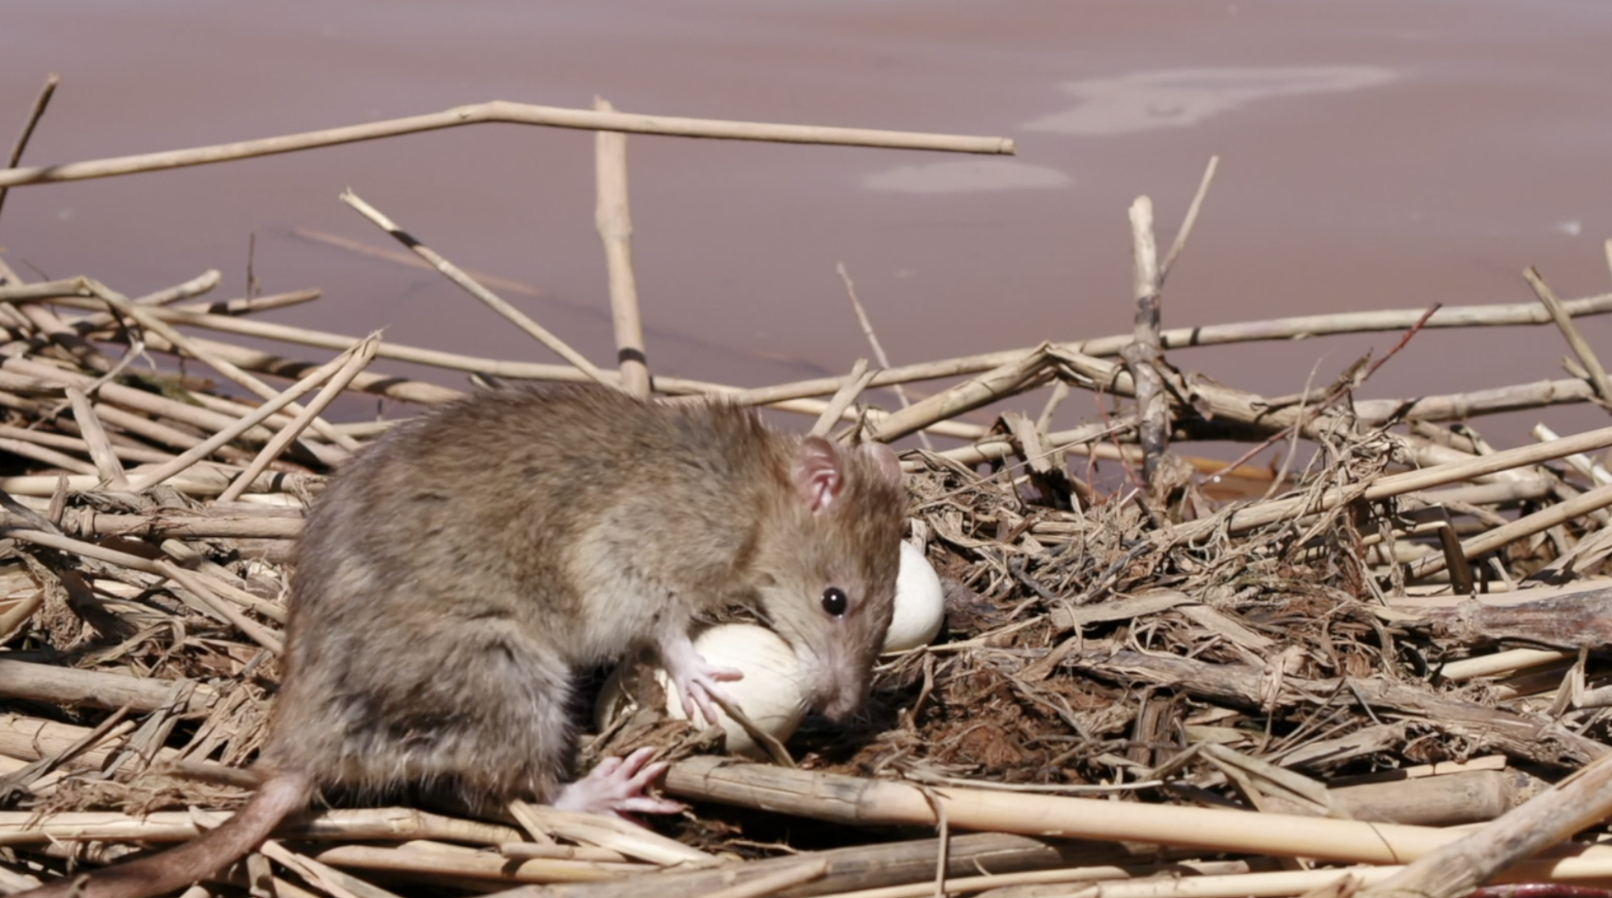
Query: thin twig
{"points": [[453, 273], [41, 103], [1190, 219], [855, 382], [147, 478], [873, 341], [359, 360], [223, 366], [1575, 339]]}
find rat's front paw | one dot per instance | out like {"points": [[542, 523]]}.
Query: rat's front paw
{"points": [[616, 786], [696, 679], [700, 690]]}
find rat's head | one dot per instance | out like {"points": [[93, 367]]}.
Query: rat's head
{"points": [[828, 562]]}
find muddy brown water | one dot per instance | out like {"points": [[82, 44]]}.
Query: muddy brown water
{"points": [[1374, 155]]}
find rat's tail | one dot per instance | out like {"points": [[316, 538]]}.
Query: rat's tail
{"points": [[282, 794]]}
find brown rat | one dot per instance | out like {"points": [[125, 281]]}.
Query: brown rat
{"points": [[457, 574]]}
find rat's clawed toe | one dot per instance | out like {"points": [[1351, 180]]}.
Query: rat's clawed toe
{"points": [[698, 687], [616, 787], [696, 679]]}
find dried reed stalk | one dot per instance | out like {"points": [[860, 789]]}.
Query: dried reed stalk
{"points": [[147, 479], [1144, 354], [1575, 339], [454, 273], [848, 800], [96, 689], [446, 860], [1301, 327], [1552, 817], [858, 867], [41, 103], [505, 111], [1270, 512], [613, 219], [1527, 525], [988, 387], [355, 363]]}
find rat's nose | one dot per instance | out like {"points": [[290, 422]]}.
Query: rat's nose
{"points": [[845, 700]]}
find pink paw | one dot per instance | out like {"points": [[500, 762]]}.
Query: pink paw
{"points": [[697, 688], [696, 679], [616, 787]]}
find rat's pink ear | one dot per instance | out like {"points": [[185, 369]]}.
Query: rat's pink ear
{"points": [[819, 473], [884, 460]]}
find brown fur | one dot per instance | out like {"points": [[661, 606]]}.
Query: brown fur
{"points": [[456, 574]]}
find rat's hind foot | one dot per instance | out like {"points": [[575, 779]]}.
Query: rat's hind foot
{"points": [[616, 786]]}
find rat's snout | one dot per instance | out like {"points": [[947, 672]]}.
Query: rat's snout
{"points": [[844, 703], [842, 684]]}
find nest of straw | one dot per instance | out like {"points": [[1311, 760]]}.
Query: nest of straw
{"points": [[1155, 666]]}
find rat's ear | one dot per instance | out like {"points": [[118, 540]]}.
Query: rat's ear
{"points": [[819, 473], [884, 460]]}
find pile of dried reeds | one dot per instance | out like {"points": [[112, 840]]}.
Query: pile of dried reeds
{"points": [[1145, 684]]}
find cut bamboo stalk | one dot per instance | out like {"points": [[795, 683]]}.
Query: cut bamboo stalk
{"points": [[32, 739], [505, 111], [858, 867], [803, 871], [617, 835], [200, 284], [855, 382], [1109, 882], [100, 448], [1549, 818], [613, 218], [332, 881], [522, 851], [50, 457], [172, 522], [201, 480], [96, 689], [1461, 406], [848, 800], [1189, 220], [416, 857], [373, 824], [86, 324]]}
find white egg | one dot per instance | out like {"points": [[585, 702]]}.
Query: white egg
{"points": [[920, 604], [772, 693]]}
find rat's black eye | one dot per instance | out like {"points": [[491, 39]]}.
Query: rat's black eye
{"points": [[834, 601]]}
